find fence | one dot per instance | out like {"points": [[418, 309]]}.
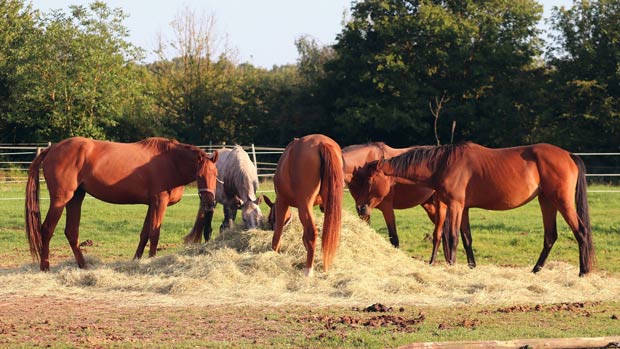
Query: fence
{"points": [[15, 159]]}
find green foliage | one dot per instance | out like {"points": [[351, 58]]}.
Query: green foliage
{"points": [[401, 71], [73, 75], [395, 57], [585, 80]]}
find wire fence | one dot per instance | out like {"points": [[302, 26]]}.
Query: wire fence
{"points": [[15, 159]]}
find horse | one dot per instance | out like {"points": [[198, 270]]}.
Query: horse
{"points": [[385, 193], [309, 173], [470, 175], [153, 172], [236, 189]]}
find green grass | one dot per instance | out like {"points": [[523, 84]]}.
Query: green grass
{"points": [[515, 237], [510, 238]]}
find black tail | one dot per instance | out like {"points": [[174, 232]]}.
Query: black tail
{"points": [[583, 212]]}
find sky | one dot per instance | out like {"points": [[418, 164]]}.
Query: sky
{"points": [[262, 32]]}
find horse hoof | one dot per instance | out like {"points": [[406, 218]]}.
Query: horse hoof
{"points": [[309, 272], [536, 269]]}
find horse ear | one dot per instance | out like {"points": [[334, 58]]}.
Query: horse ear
{"points": [[238, 201], [268, 201], [380, 163], [214, 156], [259, 200]]}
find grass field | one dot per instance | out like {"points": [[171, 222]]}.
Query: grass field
{"points": [[510, 239]]}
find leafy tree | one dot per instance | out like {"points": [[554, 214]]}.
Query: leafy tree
{"points": [[75, 76], [584, 113], [397, 59], [17, 25]]}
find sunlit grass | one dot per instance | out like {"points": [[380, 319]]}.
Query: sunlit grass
{"points": [[511, 238]]}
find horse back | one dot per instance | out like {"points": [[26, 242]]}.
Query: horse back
{"points": [[239, 175], [112, 172], [506, 178], [298, 175]]}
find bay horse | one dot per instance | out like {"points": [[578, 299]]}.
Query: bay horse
{"points": [[470, 175], [236, 189], [370, 190], [151, 172], [309, 173]]}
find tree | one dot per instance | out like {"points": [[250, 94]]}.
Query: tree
{"points": [[75, 77], [584, 113], [17, 25], [191, 79], [394, 57]]}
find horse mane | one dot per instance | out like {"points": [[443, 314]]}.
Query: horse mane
{"points": [[161, 144], [434, 157]]}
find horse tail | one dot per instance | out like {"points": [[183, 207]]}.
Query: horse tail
{"points": [[33, 212], [583, 211], [332, 186], [194, 235]]}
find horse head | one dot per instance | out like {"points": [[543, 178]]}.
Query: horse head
{"points": [[369, 186], [206, 178], [271, 217], [251, 213]]}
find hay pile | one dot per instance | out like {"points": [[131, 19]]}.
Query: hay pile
{"points": [[239, 267]]}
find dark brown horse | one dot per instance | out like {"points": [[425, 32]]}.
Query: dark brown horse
{"points": [[470, 175], [310, 173], [151, 172]]}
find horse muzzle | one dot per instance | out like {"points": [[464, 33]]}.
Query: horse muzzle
{"points": [[363, 212], [207, 199]]}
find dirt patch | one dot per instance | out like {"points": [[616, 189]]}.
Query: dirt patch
{"points": [[39, 321], [552, 308]]}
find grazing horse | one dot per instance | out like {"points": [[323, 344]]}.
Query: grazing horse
{"points": [[309, 173], [151, 172], [469, 175], [369, 189], [236, 189]]}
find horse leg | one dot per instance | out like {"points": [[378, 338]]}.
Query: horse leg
{"points": [[72, 227], [227, 223], [309, 237], [549, 213], [207, 230], [569, 213], [390, 221], [162, 205], [429, 207], [282, 212], [54, 213], [467, 239], [440, 217], [455, 215], [144, 234]]}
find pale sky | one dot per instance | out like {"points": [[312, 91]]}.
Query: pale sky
{"points": [[263, 32]]}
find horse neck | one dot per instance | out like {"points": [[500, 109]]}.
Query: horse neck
{"points": [[186, 162], [420, 173], [358, 156]]}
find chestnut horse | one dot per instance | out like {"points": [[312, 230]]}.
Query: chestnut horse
{"points": [[151, 172], [470, 175], [372, 188], [385, 193], [309, 173]]}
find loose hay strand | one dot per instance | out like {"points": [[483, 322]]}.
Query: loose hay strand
{"points": [[239, 267]]}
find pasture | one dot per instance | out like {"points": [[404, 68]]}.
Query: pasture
{"points": [[235, 292]]}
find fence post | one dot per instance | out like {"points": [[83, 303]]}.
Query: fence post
{"points": [[254, 156]]}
